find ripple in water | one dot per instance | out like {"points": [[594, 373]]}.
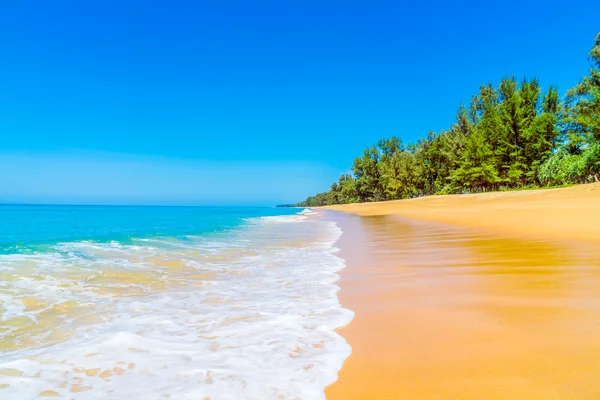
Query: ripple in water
{"points": [[247, 314]]}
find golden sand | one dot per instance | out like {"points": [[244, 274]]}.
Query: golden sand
{"points": [[567, 213], [493, 296]]}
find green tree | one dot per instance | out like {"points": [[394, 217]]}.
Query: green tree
{"points": [[366, 173], [509, 136], [347, 185], [542, 135], [399, 175], [477, 170], [490, 130], [582, 105], [509, 151]]}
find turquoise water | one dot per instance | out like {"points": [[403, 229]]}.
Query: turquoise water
{"points": [[168, 302], [25, 227]]}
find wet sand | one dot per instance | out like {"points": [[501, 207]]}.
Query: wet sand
{"points": [[460, 312]]}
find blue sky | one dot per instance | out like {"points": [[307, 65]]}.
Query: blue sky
{"points": [[249, 102]]}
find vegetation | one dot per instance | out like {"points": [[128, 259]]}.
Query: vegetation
{"points": [[509, 137]]}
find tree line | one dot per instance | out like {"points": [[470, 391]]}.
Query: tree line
{"points": [[511, 136]]}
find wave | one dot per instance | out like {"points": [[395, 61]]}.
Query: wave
{"points": [[248, 313]]}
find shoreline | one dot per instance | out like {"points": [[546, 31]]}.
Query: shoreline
{"points": [[247, 310], [571, 213], [451, 305]]}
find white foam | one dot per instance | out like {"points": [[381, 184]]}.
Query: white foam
{"points": [[248, 315], [309, 211]]}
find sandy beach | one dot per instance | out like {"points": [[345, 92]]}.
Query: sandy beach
{"points": [[565, 213], [493, 296]]}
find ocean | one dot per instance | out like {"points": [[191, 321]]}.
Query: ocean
{"points": [[110, 302]]}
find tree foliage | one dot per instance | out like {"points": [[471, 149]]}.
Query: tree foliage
{"points": [[508, 137]]}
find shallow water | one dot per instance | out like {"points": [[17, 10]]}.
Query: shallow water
{"points": [[244, 310]]}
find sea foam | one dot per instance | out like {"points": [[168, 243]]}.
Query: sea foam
{"points": [[246, 314]]}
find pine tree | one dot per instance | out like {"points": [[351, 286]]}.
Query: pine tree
{"points": [[366, 172], [511, 136], [582, 105], [542, 135], [490, 130], [400, 175], [347, 185], [477, 170], [510, 151]]}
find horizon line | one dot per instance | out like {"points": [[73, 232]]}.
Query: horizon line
{"points": [[132, 205]]}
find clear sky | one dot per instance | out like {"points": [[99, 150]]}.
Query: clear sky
{"points": [[249, 102]]}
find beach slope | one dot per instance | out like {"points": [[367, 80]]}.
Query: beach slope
{"points": [[568, 213], [493, 296]]}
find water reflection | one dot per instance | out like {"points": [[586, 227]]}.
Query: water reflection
{"points": [[444, 312]]}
